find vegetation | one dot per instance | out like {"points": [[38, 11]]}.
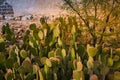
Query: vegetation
{"points": [[81, 47], [56, 51], [100, 17]]}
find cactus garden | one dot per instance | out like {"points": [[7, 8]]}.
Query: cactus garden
{"points": [[57, 51], [83, 45]]}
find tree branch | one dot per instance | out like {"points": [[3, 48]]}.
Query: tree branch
{"points": [[106, 21], [85, 21]]}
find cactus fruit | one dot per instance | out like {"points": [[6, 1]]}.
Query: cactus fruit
{"points": [[93, 77]]}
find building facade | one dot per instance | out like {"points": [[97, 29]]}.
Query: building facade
{"points": [[6, 10]]}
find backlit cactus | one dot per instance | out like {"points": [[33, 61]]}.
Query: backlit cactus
{"points": [[56, 51]]}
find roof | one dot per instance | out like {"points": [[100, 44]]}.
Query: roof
{"points": [[1, 1], [5, 8]]}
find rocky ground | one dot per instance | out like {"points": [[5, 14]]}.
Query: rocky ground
{"points": [[20, 26]]}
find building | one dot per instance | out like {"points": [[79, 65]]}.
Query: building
{"points": [[6, 10]]}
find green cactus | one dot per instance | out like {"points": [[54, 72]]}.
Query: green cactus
{"points": [[48, 63], [41, 77], [72, 54], [91, 51], [78, 75], [116, 75], [110, 62], [40, 35], [32, 27], [2, 58], [79, 66], [57, 51], [9, 75], [51, 54], [23, 54], [118, 51], [2, 44]]}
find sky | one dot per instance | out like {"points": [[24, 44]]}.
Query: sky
{"points": [[35, 6]]}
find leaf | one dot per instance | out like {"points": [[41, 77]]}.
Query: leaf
{"points": [[55, 76], [12, 54], [22, 70], [116, 65], [45, 32], [51, 54], [59, 42], [35, 69], [23, 54], [34, 51], [9, 75], [72, 54], [32, 42], [64, 53], [46, 69], [118, 51], [77, 75], [32, 27], [104, 70], [56, 32], [116, 58], [117, 75], [30, 77], [105, 51], [2, 58], [40, 75], [42, 20], [2, 44], [43, 60], [48, 63], [73, 31], [27, 65], [40, 35], [35, 34], [79, 66], [26, 37], [91, 51], [90, 63], [9, 63], [81, 50], [110, 62], [16, 65], [58, 52]]}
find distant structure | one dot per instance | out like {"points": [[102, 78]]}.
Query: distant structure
{"points": [[6, 10]]}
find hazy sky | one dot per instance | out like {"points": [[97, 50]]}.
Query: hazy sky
{"points": [[35, 6]]}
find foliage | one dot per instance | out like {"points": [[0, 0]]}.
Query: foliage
{"points": [[56, 51], [100, 17]]}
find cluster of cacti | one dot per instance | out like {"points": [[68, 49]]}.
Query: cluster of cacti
{"points": [[55, 51]]}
